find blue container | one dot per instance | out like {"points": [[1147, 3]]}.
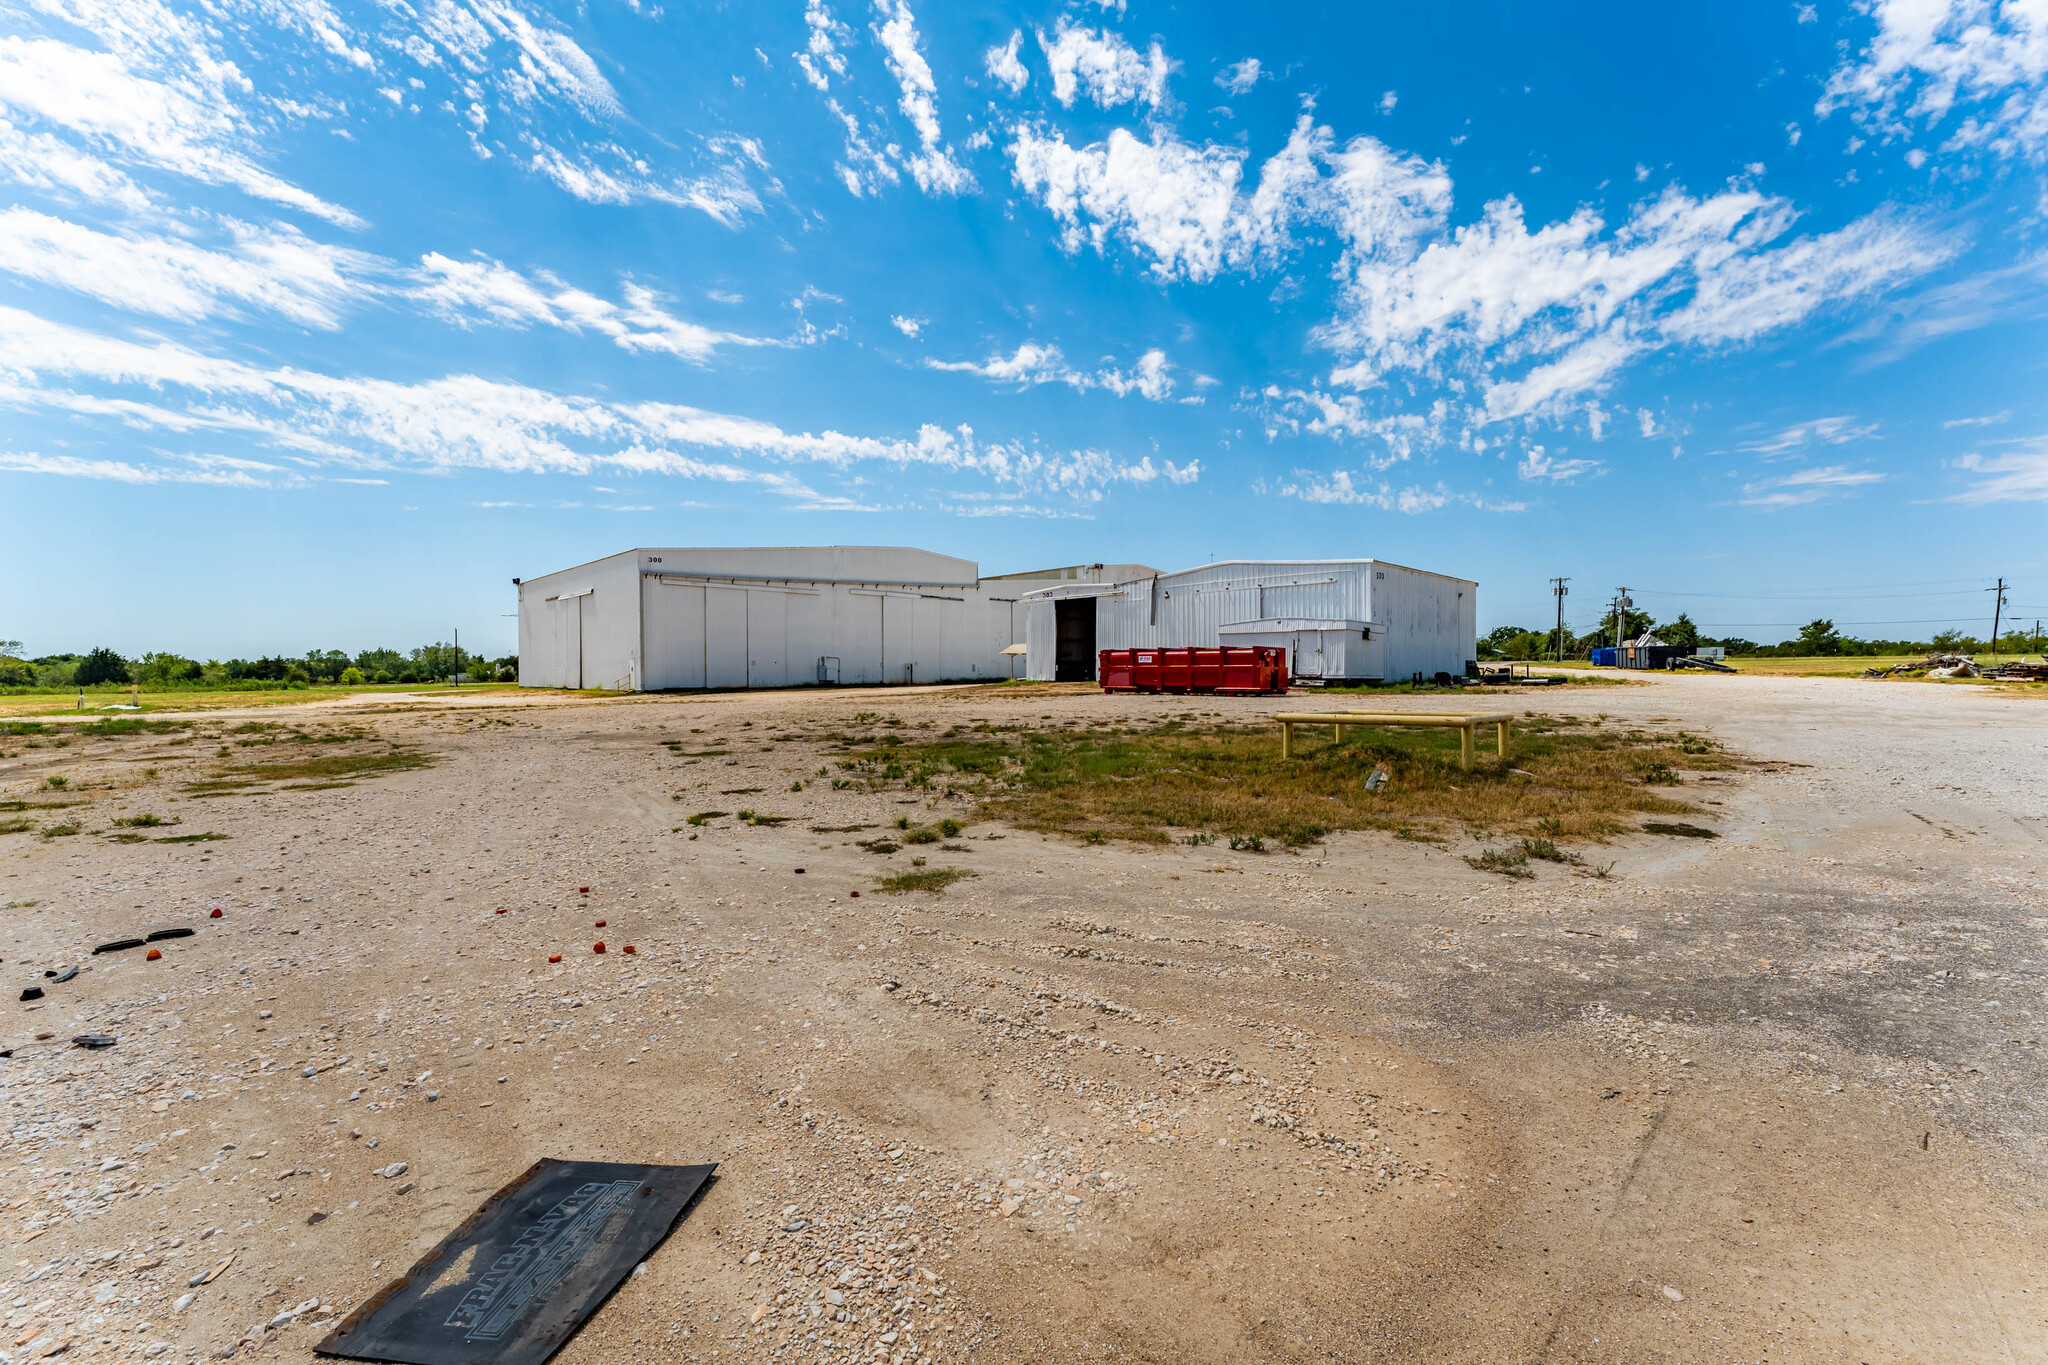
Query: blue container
{"points": [[1604, 658]]}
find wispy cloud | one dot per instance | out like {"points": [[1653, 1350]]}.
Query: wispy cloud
{"points": [[275, 269], [1032, 364], [1339, 488], [1239, 77], [1806, 486], [1821, 431], [2017, 473], [484, 290], [464, 422]]}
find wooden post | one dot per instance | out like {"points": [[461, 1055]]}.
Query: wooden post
{"points": [[1465, 746], [1501, 739]]}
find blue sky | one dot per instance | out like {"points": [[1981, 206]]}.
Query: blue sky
{"points": [[321, 321]]}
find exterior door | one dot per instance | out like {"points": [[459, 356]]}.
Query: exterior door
{"points": [[899, 639], [1074, 644], [767, 633]]}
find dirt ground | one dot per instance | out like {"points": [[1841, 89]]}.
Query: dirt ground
{"points": [[1772, 1097]]}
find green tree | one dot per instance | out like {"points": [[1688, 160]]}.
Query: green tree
{"points": [[1950, 642], [160, 669], [1819, 638], [1496, 641], [437, 661], [101, 666], [1681, 632]]}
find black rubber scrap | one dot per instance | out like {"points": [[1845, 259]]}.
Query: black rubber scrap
{"points": [[95, 1041], [162, 934], [119, 945], [32, 993], [61, 977]]}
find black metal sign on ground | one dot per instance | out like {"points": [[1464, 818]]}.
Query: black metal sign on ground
{"points": [[515, 1281]]}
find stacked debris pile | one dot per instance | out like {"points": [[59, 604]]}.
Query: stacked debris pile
{"points": [[1951, 666], [2019, 670]]}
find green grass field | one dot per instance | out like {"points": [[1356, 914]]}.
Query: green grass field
{"points": [[58, 703]]}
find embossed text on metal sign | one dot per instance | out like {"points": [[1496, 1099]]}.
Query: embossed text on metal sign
{"points": [[539, 1260]]}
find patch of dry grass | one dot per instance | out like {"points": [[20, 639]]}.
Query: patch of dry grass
{"points": [[932, 879], [1563, 779], [320, 773]]}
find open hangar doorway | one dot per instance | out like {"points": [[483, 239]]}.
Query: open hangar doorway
{"points": [[1074, 648]]}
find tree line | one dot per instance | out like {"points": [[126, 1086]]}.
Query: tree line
{"points": [[320, 667], [1817, 638]]}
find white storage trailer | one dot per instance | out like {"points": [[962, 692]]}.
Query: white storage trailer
{"points": [[1340, 620]]}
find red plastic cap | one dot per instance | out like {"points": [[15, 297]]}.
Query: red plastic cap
{"points": [[629, 948], [501, 909], [153, 955], [213, 914], [853, 895], [600, 924], [597, 947], [554, 957], [583, 890]]}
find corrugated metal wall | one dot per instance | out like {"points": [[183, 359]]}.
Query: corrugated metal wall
{"points": [[692, 618], [1428, 618]]}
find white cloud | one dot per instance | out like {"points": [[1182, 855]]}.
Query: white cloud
{"points": [[822, 59], [1148, 379], [1239, 77], [463, 421], [1032, 364], [46, 163], [1181, 204], [1339, 489], [724, 195], [1005, 66], [935, 168], [2019, 474], [1538, 464], [864, 170], [1806, 486], [1985, 60], [276, 268], [1827, 431], [191, 129], [910, 327], [122, 471], [1388, 101], [1107, 68], [464, 292], [1991, 420]]}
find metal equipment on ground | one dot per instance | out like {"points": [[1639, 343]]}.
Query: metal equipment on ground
{"points": [[514, 1282]]}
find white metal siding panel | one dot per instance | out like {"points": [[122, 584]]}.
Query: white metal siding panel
{"points": [[675, 634]]}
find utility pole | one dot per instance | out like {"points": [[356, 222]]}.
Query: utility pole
{"points": [[1997, 605], [1621, 606], [452, 677], [1559, 591]]}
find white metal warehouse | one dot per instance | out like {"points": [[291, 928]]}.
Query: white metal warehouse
{"points": [[1352, 620], [662, 619]]}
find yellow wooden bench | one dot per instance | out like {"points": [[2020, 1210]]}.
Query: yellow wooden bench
{"points": [[1467, 722]]}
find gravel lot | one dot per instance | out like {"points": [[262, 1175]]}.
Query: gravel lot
{"points": [[1774, 1096]]}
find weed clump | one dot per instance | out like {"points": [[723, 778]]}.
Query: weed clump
{"points": [[932, 879], [1514, 864]]}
